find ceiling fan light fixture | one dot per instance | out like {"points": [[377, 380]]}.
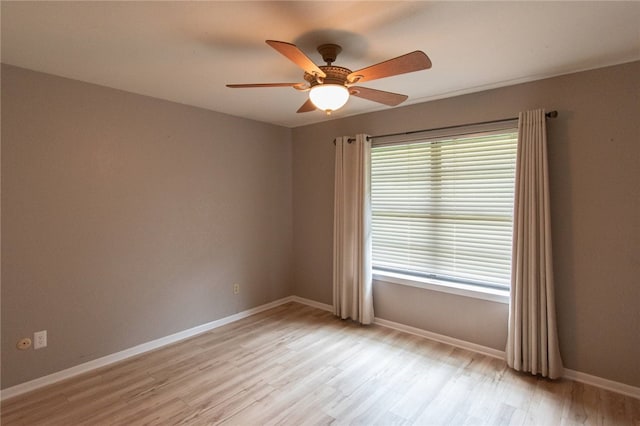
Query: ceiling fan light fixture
{"points": [[329, 97]]}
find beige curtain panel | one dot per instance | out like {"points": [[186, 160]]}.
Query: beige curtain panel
{"points": [[532, 343], [352, 277]]}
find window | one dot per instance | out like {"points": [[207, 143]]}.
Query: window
{"points": [[442, 207]]}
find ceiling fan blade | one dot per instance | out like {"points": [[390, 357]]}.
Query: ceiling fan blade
{"points": [[244, 86], [414, 61], [296, 56], [380, 96], [307, 107]]}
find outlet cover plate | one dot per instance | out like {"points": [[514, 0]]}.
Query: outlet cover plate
{"points": [[40, 339]]}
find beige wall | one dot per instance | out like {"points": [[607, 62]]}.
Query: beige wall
{"points": [[127, 218], [595, 173]]}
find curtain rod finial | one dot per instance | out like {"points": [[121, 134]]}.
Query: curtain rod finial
{"points": [[552, 114]]}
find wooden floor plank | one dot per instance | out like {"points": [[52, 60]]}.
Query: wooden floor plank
{"points": [[297, 365]]}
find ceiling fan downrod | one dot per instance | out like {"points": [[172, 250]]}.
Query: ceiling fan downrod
{"points": [[329, 52]]}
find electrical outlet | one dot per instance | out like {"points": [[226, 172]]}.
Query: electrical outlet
{"points": [[236, 288], [40, 339], [24, 344]]}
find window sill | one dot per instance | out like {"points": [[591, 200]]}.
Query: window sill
{"points": [[490, 294]]}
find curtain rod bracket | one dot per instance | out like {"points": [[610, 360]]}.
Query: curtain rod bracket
{"points": [[350, 140]]}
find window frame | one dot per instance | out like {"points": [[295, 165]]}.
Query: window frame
{"points": [[495, 294]]}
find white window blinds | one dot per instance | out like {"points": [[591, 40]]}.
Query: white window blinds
{"points": [[442, 207]]}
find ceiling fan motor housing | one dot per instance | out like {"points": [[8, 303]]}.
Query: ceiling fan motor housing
{"points": [[335, 75]]}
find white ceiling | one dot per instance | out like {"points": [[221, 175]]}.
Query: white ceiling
{"points": [[187, 51]]}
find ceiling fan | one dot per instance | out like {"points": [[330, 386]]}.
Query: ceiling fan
{"points": [[329, 86]]}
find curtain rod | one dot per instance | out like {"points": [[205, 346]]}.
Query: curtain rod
{"points": [[550, 114]]}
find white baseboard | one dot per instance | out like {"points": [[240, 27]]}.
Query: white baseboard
{"points": [[136, 350], [312, 303], [484, 350], [599, 382], [577, 376], [40, 382]]}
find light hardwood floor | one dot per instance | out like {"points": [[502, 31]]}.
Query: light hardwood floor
{"points": [[297, 365]]}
